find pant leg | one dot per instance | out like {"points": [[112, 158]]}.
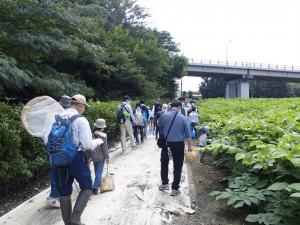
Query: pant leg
{"points": [[129, 130], [145, 128], [64, 181], [54, 191], [142, 133], [98, 166], [177, 149], [123, 136], [80, 170], [135, 133], [164, 166]]}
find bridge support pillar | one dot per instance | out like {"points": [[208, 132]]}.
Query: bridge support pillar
{"points": [[237, 89]]}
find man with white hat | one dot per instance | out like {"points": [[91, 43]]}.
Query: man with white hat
{"points": [[79, 168]]}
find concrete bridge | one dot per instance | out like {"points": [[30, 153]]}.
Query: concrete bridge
{"points": [[238, 74]]}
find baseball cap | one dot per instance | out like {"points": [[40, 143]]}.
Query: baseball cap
{"points": [[79, 99]]}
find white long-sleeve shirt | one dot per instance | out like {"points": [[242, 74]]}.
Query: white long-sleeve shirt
{"points": [[81, 131], [193, 117]]}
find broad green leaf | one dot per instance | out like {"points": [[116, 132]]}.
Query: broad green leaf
{"points": [[295, 186], [278, 186], [239, 156], [295, 195]]}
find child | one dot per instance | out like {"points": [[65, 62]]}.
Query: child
{"points": [[203, 141], [100, 154], [194, 119]]}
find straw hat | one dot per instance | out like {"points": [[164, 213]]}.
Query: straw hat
{"points": [[100, 123]]}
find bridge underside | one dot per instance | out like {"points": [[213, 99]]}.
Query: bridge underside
{"points": [[234, 77]]}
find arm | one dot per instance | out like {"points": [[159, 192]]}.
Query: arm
{"points": [[85, 134]]}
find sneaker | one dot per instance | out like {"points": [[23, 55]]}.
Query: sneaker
{"points": [[175, 192], [53, 202], [134, 147], [164, 187]]}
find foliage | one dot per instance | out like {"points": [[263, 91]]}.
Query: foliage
{"points": [[99, 48], [258, 141]]}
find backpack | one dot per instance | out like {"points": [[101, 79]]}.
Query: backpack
{"points": [[122, 114], [60, 148], [139, 118]]}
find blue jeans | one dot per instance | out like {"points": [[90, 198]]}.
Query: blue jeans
{"points": [[79, 170], [98, 166], [53, 192]]}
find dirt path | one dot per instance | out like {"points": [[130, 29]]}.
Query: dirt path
{"points": [[203, 180], [135, 201]]}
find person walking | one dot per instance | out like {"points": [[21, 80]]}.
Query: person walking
{"points": [[175, 128], [145, 114], [157, 109], [53, 199], [99, 155], [125, 119], [194, 120], [78, 169], [138, 127]]}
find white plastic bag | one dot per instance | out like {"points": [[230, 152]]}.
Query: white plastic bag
{"points": [[39, 113]]}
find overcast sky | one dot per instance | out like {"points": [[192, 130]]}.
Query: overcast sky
{"points": [[263, 31]]}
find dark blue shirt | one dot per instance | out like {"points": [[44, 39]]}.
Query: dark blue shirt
{"points": [[180, 128]]}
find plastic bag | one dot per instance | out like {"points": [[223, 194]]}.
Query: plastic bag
{"points": [[192, 155], [107, 183], [38, 115]]}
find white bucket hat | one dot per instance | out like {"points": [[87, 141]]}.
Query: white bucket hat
{"points": [[100, 123], [79, 99]]}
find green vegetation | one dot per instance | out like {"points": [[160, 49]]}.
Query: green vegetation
{"points": [[257, 140], [22, 156], [100, 48]]}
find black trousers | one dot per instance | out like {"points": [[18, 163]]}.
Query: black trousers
{"points": [[177, 149], [136, 130]]}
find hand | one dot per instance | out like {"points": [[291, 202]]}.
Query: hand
{"points": [[190, 148], [107, 161]]}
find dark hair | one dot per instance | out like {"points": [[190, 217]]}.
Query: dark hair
{"points": [[176, 103], [142, 101], [181, 98], [193, 109], [138, 105]]}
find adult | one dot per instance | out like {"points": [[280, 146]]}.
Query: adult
{"points": [[146, 116], [53, 199], [125, 123], [79, 168], [183, 107], [138, 127], [157, 109], [175, 136]]}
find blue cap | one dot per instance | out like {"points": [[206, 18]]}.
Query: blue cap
{"points": [[126, 97], [206, 128]]}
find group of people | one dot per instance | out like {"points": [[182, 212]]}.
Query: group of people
{"points": [[173, 121]]}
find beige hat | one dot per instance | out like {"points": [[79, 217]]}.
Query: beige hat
{"points": [[79, 99], [100, 123]]}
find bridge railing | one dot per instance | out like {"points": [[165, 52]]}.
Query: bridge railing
{"points": [[245, 64]]}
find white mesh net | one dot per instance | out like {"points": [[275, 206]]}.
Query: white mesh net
{"points": [[39, 113]]}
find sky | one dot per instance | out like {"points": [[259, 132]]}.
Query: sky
{"points": [[261, 31]]}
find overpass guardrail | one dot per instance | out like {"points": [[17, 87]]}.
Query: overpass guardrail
{"points": [[245, 65]]}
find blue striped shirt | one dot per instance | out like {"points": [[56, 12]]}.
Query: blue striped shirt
{"points": [[180, 128]]}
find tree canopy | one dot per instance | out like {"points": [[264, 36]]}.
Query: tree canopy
{"points": [[100, 48]]}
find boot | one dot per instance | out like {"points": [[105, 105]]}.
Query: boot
{"points": [[66, 208], [79, 206]]}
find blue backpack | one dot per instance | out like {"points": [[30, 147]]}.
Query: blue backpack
{"points": [[144, 116], [60, 148]]}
